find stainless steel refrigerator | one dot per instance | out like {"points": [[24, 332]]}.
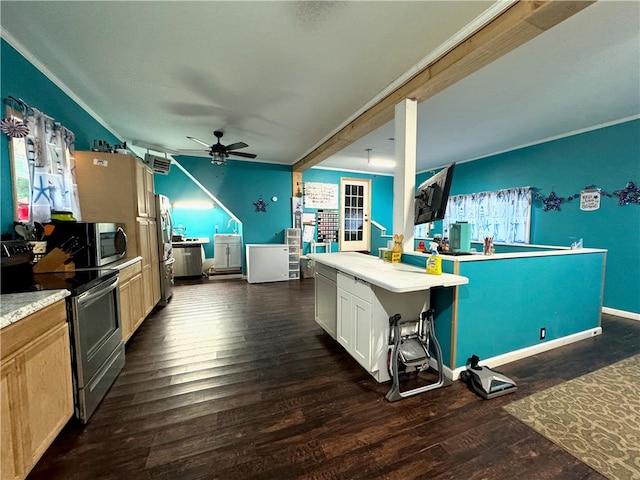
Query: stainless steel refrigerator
{"points": [[165, 231]]}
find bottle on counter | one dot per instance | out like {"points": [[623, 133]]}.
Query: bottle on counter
{"points": [[434, 262]]}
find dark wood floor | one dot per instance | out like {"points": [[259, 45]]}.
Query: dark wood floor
{"points": [[236, 381]]}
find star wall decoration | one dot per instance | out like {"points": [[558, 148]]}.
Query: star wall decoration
{"points": [[552, 202], [629, 194], [260, 205]]}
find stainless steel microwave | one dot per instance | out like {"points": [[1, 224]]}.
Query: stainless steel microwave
{"points": [[89, 244]]}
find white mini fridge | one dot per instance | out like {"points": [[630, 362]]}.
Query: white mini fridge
{"points": [[267, 263]]}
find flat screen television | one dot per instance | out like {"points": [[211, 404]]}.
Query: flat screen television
{"points": [[432, 196]]}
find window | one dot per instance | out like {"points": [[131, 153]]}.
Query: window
{"points": [[504, 215]]}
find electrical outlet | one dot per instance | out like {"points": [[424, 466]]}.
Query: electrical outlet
{"points": [[543, 333]]}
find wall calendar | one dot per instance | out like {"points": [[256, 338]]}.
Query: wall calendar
{"points": [[320, 195]]}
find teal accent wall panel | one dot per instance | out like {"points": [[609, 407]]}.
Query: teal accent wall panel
{"points": [[507, 302], [198, 223], [607, 157], [237, 185], [20, 79]]}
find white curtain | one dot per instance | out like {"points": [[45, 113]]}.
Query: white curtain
{"points": [[504, 215], [49, 153]]}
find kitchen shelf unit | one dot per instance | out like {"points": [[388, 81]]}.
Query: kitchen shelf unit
{"points": [[292, 238]]}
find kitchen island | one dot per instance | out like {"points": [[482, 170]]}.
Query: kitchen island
{"points": [[356, 294], [501, 307]]}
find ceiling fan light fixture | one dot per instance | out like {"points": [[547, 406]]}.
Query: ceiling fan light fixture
{"points": [[218, 158]]}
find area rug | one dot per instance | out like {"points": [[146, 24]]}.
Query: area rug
{"points": [[596, 418]]}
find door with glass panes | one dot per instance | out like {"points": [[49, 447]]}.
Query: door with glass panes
{"points": [[355, 198]]}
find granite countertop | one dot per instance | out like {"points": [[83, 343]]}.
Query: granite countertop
{"points": [[395, 277], [16, 306]]}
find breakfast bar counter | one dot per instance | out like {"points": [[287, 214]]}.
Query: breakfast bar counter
{"points": [[502, 307], [521, 301]]}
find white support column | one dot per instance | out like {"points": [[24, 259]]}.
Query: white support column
{"points": [[404, 179]]}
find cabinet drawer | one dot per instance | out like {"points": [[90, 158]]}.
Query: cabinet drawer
{"points": [[130, 271], [15, 336], [359, 288], [325, 271]]}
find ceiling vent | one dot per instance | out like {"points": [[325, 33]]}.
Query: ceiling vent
{"points": [[160, 165]]}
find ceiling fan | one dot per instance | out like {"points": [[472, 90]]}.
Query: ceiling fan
{"points": [[219, 152]]}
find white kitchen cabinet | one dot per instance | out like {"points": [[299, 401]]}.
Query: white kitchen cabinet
{"points": [[227, 251], [354, 318], [362, 316], [326, 307]]}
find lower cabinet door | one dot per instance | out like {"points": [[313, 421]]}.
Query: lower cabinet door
{"points": [[125, 310], [48, 394], [344, 331], [353, 327], [361, 328], [11, 455]]}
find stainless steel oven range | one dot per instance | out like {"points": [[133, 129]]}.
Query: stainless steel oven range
{"points": [[93, 313]]}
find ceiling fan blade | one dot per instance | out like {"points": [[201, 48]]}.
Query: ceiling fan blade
{"points": [[236, 146], [199, 141], [186, 151], [242, 154]]}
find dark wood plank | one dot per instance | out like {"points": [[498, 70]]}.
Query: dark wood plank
{"points": [[235, 380]]}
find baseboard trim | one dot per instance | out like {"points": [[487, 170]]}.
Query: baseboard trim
{"points": [[621, 313], [528, 351]]}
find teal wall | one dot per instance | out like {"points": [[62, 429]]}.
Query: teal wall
{"points": [[609, 158], [506, 302], [233, 186], [20, 79], [237, 185]]}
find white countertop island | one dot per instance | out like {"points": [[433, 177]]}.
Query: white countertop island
{"points": [[395, 277], [357, 294]]}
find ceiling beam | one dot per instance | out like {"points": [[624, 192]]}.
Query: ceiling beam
{"points": [[514, 27]]}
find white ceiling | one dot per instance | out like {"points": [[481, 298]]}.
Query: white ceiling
{"points": [[284, 76]]}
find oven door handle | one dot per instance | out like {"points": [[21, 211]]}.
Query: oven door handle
{"points": [[98, 291]]}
